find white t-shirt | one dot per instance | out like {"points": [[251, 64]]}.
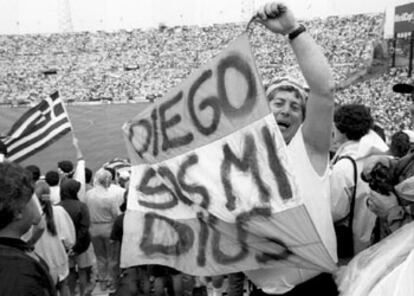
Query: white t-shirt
{"points": [[79, 176], [316, 197], [52, 248], [55, 194], [118, 191]]}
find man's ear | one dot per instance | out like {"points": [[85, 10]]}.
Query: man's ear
{"points": [[18, 214]]}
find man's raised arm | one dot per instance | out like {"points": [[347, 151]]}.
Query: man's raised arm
{"points": [[315, 68]]}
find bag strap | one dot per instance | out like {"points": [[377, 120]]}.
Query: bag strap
{"points": [[352, 205]]}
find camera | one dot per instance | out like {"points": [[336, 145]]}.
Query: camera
{"points": [[383, 177]]}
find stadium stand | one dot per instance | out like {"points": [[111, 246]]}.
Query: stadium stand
{"points": [[142, 65]]}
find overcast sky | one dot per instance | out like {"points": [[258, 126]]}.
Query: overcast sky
{"points": [[47, 16]]}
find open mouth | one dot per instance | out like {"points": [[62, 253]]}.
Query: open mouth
{"points": [[283, 125]]}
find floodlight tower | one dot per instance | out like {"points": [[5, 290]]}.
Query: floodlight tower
{"points": [[247, 8], [65, 16]]}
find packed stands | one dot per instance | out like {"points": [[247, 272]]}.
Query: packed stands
{"points": [[129, 66]]}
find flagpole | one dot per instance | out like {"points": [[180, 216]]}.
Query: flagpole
{"points": [[75, 141], [66, 111]]}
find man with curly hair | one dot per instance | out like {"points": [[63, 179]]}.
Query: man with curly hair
{"points": [[22, 272], [353, 134]]}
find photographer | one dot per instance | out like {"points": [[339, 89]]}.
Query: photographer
{"points": [[391, 196]]}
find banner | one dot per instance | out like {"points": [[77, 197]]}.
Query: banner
{"points": [[403, 19], [385, 268], [211, 191], [399, 282]]}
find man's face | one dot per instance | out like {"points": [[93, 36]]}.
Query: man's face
{"points": [[34, 209], [287, 110], [29, 215], [338, 138]]}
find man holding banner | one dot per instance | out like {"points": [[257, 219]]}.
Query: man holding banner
{"points": [[220, 183], [308, 142]]}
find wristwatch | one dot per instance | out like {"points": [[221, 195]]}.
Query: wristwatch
{"points": [[295, 33]]}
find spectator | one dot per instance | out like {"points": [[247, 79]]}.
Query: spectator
{"points": [[391, 195], [79, 214], [83, 264], [117, 233], [65, 168], [36, 231], [80, 171], [400, 144], [22, 271], [104, 208], [35, 171], [308, 141], [127, 280], [52, 179], [392, 213], [115, 188], [139, 280], [169, 55], [57, 240], [123, 178], [88, 179], [356, 140]]}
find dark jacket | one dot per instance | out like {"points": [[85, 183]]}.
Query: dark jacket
{"points": [[22, 272], [79, 213]]}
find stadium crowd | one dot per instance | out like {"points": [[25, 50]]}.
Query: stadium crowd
{"points": [[73, 218]]}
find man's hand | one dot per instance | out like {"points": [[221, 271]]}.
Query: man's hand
{"points": [[381, 204], [277, 17]]}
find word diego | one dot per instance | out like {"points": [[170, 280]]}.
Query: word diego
{"points": [[156, 131]]}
